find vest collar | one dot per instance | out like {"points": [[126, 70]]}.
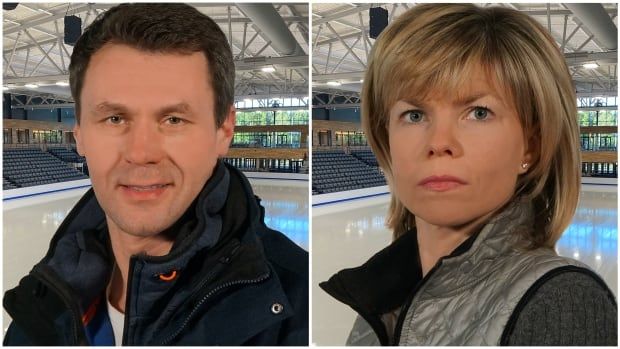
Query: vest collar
{"points": [[384, 282]]}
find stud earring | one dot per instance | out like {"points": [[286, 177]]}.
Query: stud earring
{"points": [[524, 165]]}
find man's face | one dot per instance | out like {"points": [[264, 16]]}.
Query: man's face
{"points": [[149, 135]]}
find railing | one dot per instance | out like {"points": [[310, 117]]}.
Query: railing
{"points": [[37, 145]]}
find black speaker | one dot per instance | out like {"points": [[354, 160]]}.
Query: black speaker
{"points": [[73, 29], [378, 21], [6, 106], [9, 6]]}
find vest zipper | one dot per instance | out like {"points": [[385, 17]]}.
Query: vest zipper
{"points": [[403, 314], [69, 303], [207, 296], [377, 325]]}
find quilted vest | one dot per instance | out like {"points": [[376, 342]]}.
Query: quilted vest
{"points": [[468, 299]]}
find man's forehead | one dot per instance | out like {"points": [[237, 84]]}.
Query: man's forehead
{"points": [[107, 105]]}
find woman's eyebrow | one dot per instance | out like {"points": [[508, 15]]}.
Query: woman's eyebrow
{"points": [[469, 98], [414, 102]]}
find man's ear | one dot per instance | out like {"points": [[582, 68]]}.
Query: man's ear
{"points": [[78, 139], [226, 132]]}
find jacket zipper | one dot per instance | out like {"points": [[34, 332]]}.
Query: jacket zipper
{"points": [[132, 263], [403, 314], [207, 296], [69, 303]]}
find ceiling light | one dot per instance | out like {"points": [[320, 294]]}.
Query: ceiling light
{"points": [[590, 65], [268, 69], [31, 85], [4, 88], [62, 83], [361, 80], [333, 83]]}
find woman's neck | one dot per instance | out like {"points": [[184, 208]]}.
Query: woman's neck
{"points": [[435, 241]]}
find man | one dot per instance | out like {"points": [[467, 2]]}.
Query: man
{"points": [[169, 247]]}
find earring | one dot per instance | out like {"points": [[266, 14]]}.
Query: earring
{"points": [[524, 165]]}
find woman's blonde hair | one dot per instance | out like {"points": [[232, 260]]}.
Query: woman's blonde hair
{"points": [[435, 47]]}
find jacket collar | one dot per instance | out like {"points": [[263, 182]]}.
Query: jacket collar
{"points": [[384, 282], [80, 252]]}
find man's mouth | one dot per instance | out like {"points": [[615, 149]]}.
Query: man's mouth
{"points": [[146, 187], [146, 192]]}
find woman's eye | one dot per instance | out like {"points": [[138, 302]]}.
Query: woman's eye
{"points": [[414, 116], [480, 113]]}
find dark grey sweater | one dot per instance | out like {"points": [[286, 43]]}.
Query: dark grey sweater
{"points": [[570, 308]]}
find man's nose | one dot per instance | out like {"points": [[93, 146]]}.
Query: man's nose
{"points": [[144, 143]]}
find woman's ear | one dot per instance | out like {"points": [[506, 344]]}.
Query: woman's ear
{"points": [[531, 152]]}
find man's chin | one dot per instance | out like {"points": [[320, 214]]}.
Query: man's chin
{"points": [[145, 225]]}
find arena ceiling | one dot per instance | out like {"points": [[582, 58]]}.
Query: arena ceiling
{"points": [[261, 36], [340, 46]]}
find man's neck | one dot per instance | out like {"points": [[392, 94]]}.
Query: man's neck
{"points": [[124, 246]]}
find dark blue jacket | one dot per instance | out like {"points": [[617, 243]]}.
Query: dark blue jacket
{"points": [[238, 283]]}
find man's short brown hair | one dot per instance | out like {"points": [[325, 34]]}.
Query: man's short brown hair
{"points": [[165, 28]]}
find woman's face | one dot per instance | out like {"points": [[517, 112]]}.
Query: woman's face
{"points": [[456, 158]]}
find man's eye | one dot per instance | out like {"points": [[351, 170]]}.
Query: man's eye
{"points": [[115, 119], [413, 116], [173, 120]]}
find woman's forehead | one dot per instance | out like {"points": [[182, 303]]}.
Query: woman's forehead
{"points": [[457, 88]]}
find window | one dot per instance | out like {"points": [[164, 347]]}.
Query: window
{"points": [[8, 136], [262, 118]]}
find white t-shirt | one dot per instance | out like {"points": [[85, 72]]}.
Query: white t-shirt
{"points": [[118, 323]]}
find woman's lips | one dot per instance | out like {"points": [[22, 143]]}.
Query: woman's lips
{"points": [[441, 183]]}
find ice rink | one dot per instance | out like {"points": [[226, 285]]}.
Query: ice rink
{"points": [[29, 223], [345, 235]]}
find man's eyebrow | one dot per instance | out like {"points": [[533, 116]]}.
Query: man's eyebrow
{"points": [[106, 106], [181, 107], [110, 107]]}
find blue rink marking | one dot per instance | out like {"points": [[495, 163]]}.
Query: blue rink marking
{"points": [[280, 179], [45, 192], [84, 186], [349, 199]]}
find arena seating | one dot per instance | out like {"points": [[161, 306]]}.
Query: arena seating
{"points": [[367, 156], [334, 171], [6, 184], [66, 155], [32, 166]]}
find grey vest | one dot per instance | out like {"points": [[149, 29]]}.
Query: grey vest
{"points": [[468, 299]]}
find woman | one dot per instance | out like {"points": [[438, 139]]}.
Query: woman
{"points": [[471, 113]]}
